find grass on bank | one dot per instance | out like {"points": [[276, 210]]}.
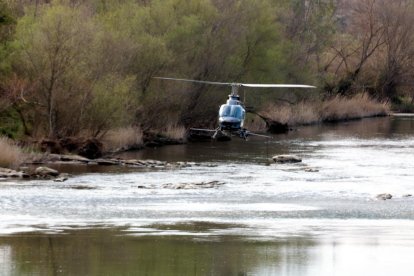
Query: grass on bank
{"points": [[359, 106], [335, 109], [175, 132], [11, 155], [123, 138]]}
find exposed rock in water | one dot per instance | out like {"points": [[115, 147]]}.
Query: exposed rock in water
{"points": [[384, 196], [286, 159], [9, 173], [195, 185], [40, 172], [152, 162], [76, 158], [46, 172], [62, 177], [407, 195], [311, 170], [107, 162], [79, 160]]}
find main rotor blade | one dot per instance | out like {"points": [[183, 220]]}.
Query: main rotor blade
{"points": [[277, 85], [196, 81], [241, 84]]}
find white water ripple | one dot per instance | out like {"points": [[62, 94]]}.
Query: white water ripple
{"points": [[347, 175]]}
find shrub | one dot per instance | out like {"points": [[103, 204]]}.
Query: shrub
{"points": [[11, 155]]}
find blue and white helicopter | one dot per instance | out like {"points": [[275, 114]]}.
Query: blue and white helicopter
{"points": [[232, 114]]}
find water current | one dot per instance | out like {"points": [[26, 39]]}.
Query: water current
{"points": [[318, 217]]}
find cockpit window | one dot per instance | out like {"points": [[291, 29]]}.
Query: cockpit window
{"points": [[235, 111], [225, 111]]}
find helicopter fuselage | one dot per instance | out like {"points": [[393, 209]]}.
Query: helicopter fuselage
{"points": [[231, 114]]}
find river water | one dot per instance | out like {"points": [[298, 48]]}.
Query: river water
{"points": [[318, 217]]}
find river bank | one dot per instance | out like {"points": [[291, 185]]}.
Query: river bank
{"points": [[271, 119], [77, 150], [281, 118]]}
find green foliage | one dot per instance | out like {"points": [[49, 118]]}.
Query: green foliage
{"points": [[112, 104], [10, 124], [404, 104], [66, 57], [7, 23], [6, 17], [54, 53], [74, 56], [89, 65]]}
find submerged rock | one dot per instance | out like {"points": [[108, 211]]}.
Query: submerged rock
{"points": [[286, 159], [384, 196], [82, 187], [46, 172]]}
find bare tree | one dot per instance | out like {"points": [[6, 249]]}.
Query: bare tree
{"points": [[397, 18], [363, 36]]}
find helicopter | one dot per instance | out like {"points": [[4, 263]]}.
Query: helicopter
{"points": [[231, 115]]}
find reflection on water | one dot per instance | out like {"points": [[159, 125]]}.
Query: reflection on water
{"points": [[108, 252], [111, 252], [266, 219]]}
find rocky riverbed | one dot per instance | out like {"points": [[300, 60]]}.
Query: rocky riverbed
{"points": [[36, 167]]}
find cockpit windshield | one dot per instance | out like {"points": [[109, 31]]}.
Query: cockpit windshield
{"points": [[235, 111]]}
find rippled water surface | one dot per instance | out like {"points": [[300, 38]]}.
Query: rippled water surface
{"points": [[265, 219]]}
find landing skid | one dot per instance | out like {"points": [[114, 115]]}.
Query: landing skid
{"points": [[225, 135]]}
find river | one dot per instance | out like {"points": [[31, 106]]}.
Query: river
{"points": [[318, 217]]}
